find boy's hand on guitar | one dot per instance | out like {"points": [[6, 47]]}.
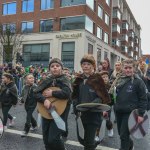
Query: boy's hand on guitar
{"points": [[140, 119], [47, 93], [105, 114], [47, 103]]}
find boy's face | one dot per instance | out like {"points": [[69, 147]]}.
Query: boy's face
{"points": [[55, 69], [105, 78], [87, 68], [118, 66], [128, 69], [105, 64], [29, 80], [5, 80]]}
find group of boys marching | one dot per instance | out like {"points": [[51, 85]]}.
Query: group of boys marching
{"points": [[124, 88]]}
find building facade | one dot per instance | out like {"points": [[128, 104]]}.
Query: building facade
{"points": [[67, 29], [125, 30]]}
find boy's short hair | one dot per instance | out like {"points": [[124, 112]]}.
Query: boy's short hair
{"points": [[25, 76], [9, 76], [129, 61], [104, 73]]}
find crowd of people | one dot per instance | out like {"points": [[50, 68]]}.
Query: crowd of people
{"points": [[124, 88]]}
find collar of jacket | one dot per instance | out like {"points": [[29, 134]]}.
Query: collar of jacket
{"points": [[49, 80], [96, 82]]}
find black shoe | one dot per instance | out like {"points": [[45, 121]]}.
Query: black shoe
{"points": [[131, 146], [24, 134]]}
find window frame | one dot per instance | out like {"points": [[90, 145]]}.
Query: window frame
{"points": [[7, 3], [26, 11], [26, 26], [46, 8]]}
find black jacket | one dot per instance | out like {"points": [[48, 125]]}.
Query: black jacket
{"points": [[64, 93], [89, 90], [8, 94], [28, 96], [132, 95]]}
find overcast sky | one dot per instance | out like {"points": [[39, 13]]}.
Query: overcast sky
{"points": [[141, 11]]}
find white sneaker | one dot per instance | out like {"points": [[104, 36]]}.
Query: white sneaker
{"points": [[24, 134], [12, 122], [97, 139], [33, 128], [110, 133], [5, 128]]}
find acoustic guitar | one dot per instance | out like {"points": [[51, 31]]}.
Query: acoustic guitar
{"points": [[59, 104]]}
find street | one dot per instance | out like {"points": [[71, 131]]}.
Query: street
{"points": [[12, 139]]}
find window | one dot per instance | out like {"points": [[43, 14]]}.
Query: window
{"points": [[116, 14], [124, 49], [90, 3], [100, 12], [46, 25], [89, 24], [67, 56], [116, 42], [98, 56], [106, 19], [105, 55], [27, 5], [72, 23], [11, 27], [125, 37], [106, 38], [116, 28], [131, 34], [36, 54], [90, 48], [47, 4], [27, 27], [131, 44], [136, 49], [9, 8], [108, 2], [130, 53], [80, 22], [125, 26], [136, 40], [99, 33], [72, 2]]}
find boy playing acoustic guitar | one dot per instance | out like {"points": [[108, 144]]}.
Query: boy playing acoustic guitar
{"points": [[51, 133]]}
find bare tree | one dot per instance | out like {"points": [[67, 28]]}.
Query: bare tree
{"points": [[11, 41]]}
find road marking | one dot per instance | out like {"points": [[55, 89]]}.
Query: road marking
{"points": [[39, 136]]}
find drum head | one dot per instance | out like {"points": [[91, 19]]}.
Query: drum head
{"points": [[93, 107], [137, 130], [1, 127]]}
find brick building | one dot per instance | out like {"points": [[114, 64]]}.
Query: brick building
{"points": [[66, 29], [125, 30]]}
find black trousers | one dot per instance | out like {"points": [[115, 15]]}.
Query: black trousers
{"points": [[51, 135], [6, 115], [29, 119], [89, 136], [122, 124]]}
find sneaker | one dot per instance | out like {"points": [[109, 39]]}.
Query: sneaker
{"points": [[5, 128], [110, 133], [24, 134], [97, 139], [33, 128], [12, 122]]}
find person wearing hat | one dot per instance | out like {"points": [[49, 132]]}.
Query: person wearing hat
{"points": [[8, 97], [51, 133], [89, 87]]}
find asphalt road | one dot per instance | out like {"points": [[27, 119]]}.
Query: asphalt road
{"points": [[12, 140]]}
